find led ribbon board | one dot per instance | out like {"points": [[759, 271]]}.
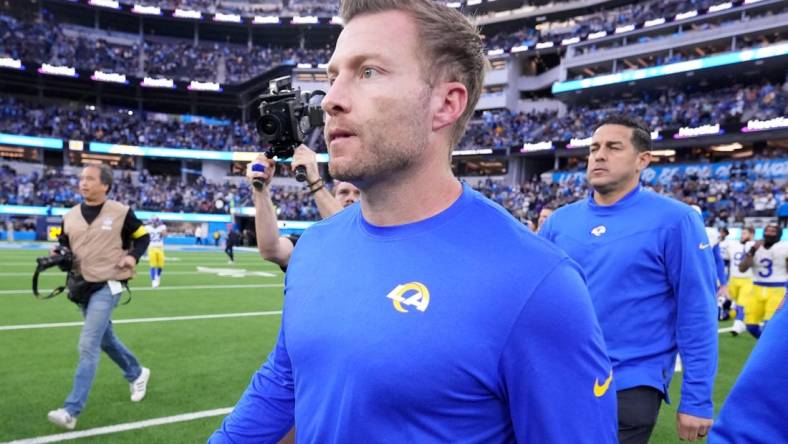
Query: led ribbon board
{"points": [[35, 142], [673, 68]]}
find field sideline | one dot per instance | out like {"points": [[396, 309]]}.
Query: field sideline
{"points": [[203, 334]]}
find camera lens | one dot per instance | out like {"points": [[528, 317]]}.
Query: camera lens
{"points": [[269, 126]]}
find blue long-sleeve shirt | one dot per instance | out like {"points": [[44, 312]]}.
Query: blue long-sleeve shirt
{"points": [[757, 407], [461, 328], [652, 279]]}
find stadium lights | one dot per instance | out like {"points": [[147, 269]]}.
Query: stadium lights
{"points": [[455, 5], [729, 148], [571, 41], [150, 82], [655, 22], [749, 2], [720, 7], [265, 20], [304, 66], [704, 130], [8, 62], [204, 86], [100, 76], [623, 29], [187, 13], [663, 153], [55, 70], [495, 52], [105, 3], [146, 10], [322, 65], [765, 125], [76, 145], [474, 2], [337, 20], [543, 45], [231, 18], [304, 20], [539, 146], [519, 48], [686, 15]]}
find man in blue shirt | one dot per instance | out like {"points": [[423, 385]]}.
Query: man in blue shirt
{"points": [[424, 313], [652, 282], [757, 406]]}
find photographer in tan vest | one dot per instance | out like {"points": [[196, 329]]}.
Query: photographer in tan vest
{"points": [[107, 240]]}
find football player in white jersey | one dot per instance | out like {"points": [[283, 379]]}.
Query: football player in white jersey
{"points": [[157, 231], [769, 262], [739, 282]]}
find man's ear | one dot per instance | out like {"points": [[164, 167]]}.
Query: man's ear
{"points": [[450, 99], [644, 159]]}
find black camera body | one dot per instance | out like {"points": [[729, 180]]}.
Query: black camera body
{"points": [[287, 116], [63, 259]]}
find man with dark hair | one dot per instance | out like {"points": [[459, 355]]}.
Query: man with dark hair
{"points": [[652, 281], [768, 259], [107, 240], [233, 238], [410, 317], [544, 213]]}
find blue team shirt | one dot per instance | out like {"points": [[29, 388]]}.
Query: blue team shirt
{"points": [[757, 406], [652, 280], [461, 328]]}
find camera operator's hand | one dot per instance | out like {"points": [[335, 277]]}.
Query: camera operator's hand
{"points": [[265, 175], [128, 261], [303, 156]]}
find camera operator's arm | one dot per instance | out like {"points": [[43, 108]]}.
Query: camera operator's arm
{"points": [[326, 204], [135, 239], [272, 247]]}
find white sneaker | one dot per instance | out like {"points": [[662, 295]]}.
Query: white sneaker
{"points": [[230, 262], [140, 385], [62, 418], [738, 328], [154, 283]]}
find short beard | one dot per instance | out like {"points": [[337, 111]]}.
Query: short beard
{"points": [[393, 144]]}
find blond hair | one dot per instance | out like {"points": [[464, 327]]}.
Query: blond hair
{"points": [[452, 48]]}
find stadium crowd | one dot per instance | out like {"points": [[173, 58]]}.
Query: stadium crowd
{"points": [[498, 128], [47, 41], [83, 48], [724, 202], [671, 109]]}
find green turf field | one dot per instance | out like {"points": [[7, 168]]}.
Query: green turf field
{"points": [[197, 365]]}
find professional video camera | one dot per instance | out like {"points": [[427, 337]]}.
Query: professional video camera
{"points": [[286, 117], [63, 259]]}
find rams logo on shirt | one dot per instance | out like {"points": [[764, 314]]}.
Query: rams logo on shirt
{"points": [[413, 294]]}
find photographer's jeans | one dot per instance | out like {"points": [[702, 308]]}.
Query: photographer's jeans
{"points": [[97, 335]]}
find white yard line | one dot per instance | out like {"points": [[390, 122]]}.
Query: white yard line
{"points": [[139, 273], [142, 320], [173, 288], [124, 427]]}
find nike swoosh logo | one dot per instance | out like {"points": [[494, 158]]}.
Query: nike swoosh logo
{"points": [[704, 246], [600, 390]]}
